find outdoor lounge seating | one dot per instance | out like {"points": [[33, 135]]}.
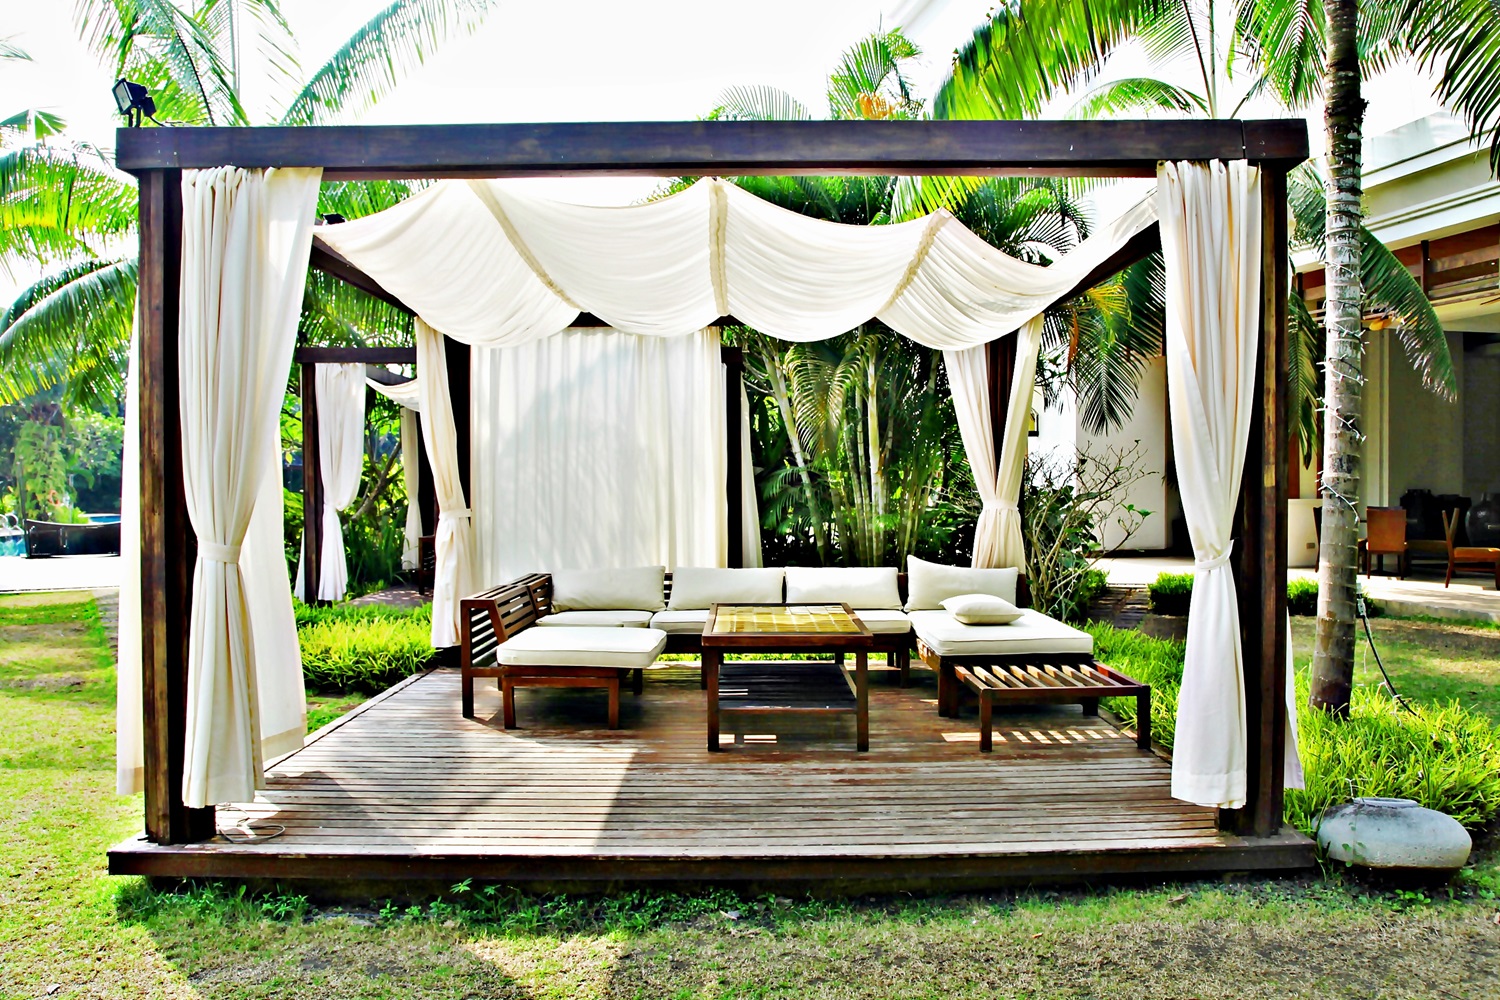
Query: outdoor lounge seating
{"points": [[1483, 558], [498, 640], [1385, 535]]}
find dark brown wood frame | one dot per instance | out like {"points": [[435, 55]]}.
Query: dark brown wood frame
{"points": [[156, 156]]}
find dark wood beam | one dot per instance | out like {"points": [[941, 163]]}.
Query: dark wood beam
{"points": [[355, 356], [667, 149], [734, 480], [385, 376], [168, 544], [1140, 246], [328, 260]]}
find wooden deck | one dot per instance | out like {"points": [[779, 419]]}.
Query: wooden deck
{"points": [[406, 788]]}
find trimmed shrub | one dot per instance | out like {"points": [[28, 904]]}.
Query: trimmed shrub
{"points": [[1445, 756], [1302, 597], [347, 649], [1171, 593], [313, 614]]}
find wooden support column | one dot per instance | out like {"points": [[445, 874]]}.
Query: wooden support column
{"points": [[1260, 559], [168, 545], [459, 357], [734, 480], [312, 485]]}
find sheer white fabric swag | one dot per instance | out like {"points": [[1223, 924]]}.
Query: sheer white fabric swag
{"points": [[455, 575], [246, 238], [490, 266]]}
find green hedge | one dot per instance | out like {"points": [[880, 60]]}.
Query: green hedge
{"points": [[1171, 592], [1445, 756], [362, 649]]}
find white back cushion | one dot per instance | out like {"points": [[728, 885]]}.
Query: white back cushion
{"points": [[871, 587], [694, 588], [928, 585], [636, 589]]}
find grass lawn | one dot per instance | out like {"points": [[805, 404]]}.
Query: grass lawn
{"points": [[67, 929]]}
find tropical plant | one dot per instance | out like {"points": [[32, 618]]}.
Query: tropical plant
{"points": [[67, 208]]}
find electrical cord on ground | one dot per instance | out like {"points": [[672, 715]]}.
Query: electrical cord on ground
{"points": [[1359, 603], [252, 833]]}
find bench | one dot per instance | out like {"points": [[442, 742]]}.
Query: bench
{"points": [[498, 638]]}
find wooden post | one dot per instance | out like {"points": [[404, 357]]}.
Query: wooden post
{"points": [[458, 356], [734, 480], [168, 545], [312, 486], [1261, 561]]}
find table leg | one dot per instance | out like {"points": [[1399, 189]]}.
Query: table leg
{"points": [[862, 700], [711, 662]]}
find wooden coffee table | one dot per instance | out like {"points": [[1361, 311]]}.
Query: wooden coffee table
{"points": [[798, 688]]}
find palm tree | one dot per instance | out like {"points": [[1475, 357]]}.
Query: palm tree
{"points": [[65, 206], [1029, 56]]}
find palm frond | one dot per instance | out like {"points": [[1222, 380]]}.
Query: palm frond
{"points": [[1026, 56], [379, 55], [71, 328], [58, 202], [869, 82], [758, 104], [32, 125], [1459, 42], [1136, 94], [336, 314], [1304, 388], [10, 50], [1390, 289]]}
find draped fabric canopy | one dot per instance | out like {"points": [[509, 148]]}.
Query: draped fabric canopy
{"points": [[489, 266]]}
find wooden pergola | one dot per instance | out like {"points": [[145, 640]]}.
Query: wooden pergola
{"points": [[157, 157]]}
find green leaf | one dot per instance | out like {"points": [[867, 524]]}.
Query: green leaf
{"points": [[1136, 94], [379, 55], [71, 328], [10, 50], [59, 202], [758, 104], [1458, 41]]}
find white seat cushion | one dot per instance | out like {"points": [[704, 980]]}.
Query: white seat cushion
{"points": [[694, 588], [638, 588], [884, 621], [928, 585], [1033, 632], [603, 619], [576, 646], [680, 622], [856, 586]]}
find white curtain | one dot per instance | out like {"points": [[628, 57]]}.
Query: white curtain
{"points": [[246, 237], [750, 549], [491, 266], [341, 451], [997, 536], [454, 577], [1211, 240], [601, 449], [130, 750], [407, 396]]}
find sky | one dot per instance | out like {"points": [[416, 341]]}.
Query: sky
{"points": [[576, 60]]}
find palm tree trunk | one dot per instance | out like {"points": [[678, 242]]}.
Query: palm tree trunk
{"points": [[1333, 655]]}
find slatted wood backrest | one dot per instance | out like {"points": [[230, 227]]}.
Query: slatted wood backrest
{"points": [[492, 616]]}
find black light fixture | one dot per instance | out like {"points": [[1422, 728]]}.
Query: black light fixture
{"points": [[134, 102], [333, 218]]}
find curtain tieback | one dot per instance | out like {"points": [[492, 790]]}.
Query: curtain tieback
{"points": [[214, 552], [1216, 562], [457, 512], [1001, 505]]}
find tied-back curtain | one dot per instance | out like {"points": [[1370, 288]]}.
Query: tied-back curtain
{"points": [[410, 457], [998, 539], [600, 449], [750, 549], [341, 452], [1211, 240], [454, 577], [407, 396], [130, 749], [246, 238]]}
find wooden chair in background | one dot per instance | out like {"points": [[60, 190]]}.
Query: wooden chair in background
{"points": [[1385, 535], [1462, 558]]}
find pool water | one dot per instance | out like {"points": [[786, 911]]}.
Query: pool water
{"points": [[12, 544]]}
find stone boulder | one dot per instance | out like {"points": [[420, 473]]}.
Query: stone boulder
{"points": [[1394, 835]]}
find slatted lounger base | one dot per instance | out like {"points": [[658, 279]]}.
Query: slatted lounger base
{"points": [[1020, 680]]}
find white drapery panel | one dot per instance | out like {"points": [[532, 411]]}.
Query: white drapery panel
{"points": [[454, 577], [246, 237], [341, 451], [130, 748], [407, 396], [750, 550], [596, 448], [1211, 239], [997, 535], [490, 266]]}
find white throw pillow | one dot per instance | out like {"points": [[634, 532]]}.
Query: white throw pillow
{"points": [[982, 609], [870, 587], [694, 588], [638, 588], [928, 585]]}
